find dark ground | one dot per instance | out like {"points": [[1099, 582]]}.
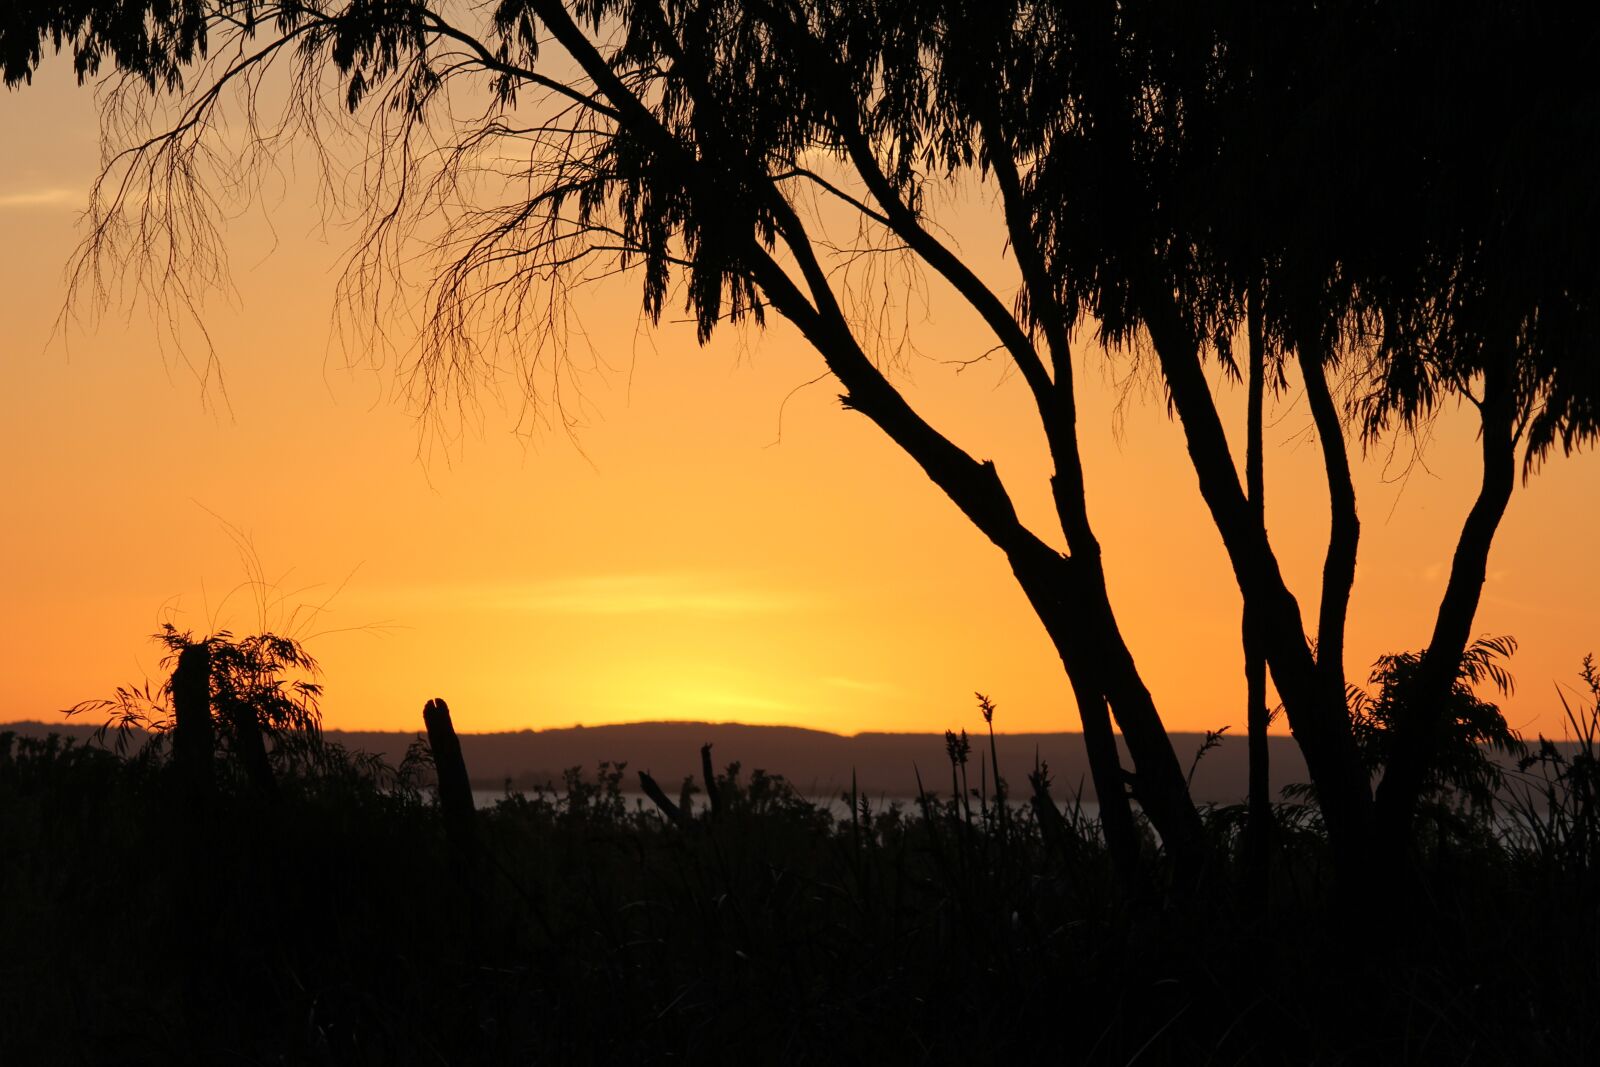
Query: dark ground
{"points": [[339, 923]]}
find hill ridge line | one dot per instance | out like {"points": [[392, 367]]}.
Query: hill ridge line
{"points": [[817, 762]]}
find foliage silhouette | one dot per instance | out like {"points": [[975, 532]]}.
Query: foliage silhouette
{"points": [[1465, 761], [247, 673], [252, 688], [1556, 796]]}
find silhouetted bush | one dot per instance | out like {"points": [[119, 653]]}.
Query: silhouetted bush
{"points": [[329, 924]]}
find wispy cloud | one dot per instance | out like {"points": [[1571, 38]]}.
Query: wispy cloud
{"points": [[632, 594], [858, 685], [730, 700], [675, 593], [695, 701], [41, 198]]}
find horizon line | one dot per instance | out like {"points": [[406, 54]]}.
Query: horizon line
{"points": [[670, 722]]}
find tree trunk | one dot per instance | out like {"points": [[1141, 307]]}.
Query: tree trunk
{"points": [[1316, 709], [1317, 716], [1425, 724], [1159, 783], [1079, 636], [1258, 820]]}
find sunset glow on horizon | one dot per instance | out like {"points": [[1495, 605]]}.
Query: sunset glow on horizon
{"points": [[715, 539]]}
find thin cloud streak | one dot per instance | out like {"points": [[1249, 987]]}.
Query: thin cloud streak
{"points": [[745, 701], [857, 685], [694, 703], [41, 198], [676, 593]]}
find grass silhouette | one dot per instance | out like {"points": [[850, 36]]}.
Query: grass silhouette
{"points": [[331, 922]]}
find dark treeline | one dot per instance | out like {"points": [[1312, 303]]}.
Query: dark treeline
{"points": [[819, 764], [321, 906], [211, 877]]}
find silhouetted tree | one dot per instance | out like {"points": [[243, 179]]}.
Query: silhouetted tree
{"points": [[1345, 164], [1385, 191]]}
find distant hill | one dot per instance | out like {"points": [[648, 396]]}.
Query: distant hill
{"points": [[818, 763]]}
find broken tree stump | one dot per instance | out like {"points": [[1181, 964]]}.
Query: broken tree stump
{"points": [[455, 789]]}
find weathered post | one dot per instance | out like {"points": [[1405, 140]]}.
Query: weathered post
{"points": [[713, 794], [192, 738], [455, 790], [652, 790]]}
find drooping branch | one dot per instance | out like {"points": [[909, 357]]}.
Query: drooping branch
{"points": [[511, 72], [973, 486]]}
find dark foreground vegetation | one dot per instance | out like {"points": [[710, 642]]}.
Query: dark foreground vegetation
{"points": [[333, 912]]}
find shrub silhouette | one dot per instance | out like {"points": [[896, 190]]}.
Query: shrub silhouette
{"points": [[331, 927], [1555, 805], [1472, 729]]}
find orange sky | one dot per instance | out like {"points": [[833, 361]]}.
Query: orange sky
{"points": [[682, 559]]}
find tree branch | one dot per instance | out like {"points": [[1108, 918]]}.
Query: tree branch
{"points": [[1344, 532]]}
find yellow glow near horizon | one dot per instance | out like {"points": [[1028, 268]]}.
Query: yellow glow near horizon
{"points": [[720, 542]]}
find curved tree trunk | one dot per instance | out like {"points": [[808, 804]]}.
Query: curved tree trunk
{"points": [[1314, 701], [1420, 732], [1100, 743], [1338, 578], [1159, 783], [1316, 709], [1070, 599]]}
